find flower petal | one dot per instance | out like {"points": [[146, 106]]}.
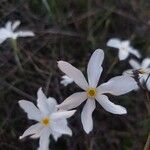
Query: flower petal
{"points": [[4, 35], [146, 63], [94, 68], [125, 44], [128, 72], [73, 101], [42, 102], [15, 24], [86, 115], [134, 64], [148, 84], [109, 106], [56, 135], [118, 85], [8, 26], [62, 114], [123, 54], [61, 127], [73, 73], [44, 139], [134, 52], [25, 33], [66, 80], [32, 111], [52, 103], [114, 42], [34, 129]]}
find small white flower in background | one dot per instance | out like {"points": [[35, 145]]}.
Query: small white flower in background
{"points": [[9, 31], [143, 70], [116, 86], [124, 48], [50, 120], [66, 80]]}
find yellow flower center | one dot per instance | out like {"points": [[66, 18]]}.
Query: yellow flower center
{"points": [[142, 71], [91, 92], [45, 121]]}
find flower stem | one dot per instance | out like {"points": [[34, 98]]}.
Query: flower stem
{"points": [[112, 66], [16, 53]]}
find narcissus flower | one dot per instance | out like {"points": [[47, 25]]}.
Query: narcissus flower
{"points": [[142, 69], [50, 120], [9, 31], [124, 48], [116, 86], [66, 80]]}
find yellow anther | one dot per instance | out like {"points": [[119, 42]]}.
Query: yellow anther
{"points": [[141, 71], [45, 121], [91, 92]]}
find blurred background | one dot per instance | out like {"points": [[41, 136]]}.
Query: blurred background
{"points": [[71, 30]]}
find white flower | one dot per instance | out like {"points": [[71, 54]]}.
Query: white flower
{"points": [[116, 86], [124, 48], [50, 120], [66, 80], [9, 31], [143, 69]]}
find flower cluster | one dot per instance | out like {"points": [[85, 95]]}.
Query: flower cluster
{"points": [[51, 117], [142, 70]]}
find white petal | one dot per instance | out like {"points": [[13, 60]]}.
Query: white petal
{"points": [[118, 85], [86, 115], [41, 102], [62, 114], [94, 68], [125, 44], [73, 101], [15, 24], [128, 72], [34, 129], [61, 127], [114, 42], [148, 84], [146, 63], [66, 80], [8, 26], [109, 106], [2, 39], [123, 54], [73, 73], [134, 52], [44, 139], [32, 111], [52, 103], [56, 135], [134, 64], [25, 33], [4, 34]]}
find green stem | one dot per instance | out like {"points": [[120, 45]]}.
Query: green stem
{"points": [[16, 53], [112, 65]]}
